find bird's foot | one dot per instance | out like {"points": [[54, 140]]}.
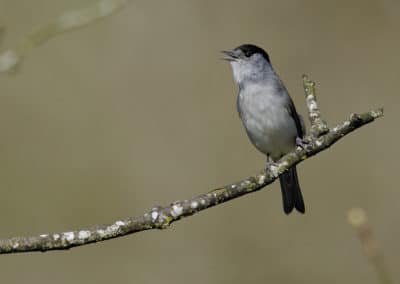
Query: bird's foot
{"points": [[271, 166], [302, 143]]}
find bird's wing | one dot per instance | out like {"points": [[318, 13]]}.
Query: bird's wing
{"points": [[297, 119]]}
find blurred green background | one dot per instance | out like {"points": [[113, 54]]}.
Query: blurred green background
{"points": [[137, 110]]}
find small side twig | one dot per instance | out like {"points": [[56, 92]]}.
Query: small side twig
{"points": [[318, 125], [163, 217]]}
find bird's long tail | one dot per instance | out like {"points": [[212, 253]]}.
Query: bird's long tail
{"points": [[291, 192]]}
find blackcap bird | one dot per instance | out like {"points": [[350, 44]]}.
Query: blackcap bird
{"points": [[268, 114]]}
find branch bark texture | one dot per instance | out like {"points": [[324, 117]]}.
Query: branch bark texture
{"points": [[320, 138]]}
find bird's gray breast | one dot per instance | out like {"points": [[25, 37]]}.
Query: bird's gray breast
{"points": [[264, 111]]}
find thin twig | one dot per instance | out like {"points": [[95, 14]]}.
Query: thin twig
{"points": [[163, 217]]}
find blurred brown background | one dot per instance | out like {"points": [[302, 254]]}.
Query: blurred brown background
{"points": [[137, 110]]}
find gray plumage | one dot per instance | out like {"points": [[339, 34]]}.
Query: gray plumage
{"points": [[268, 114]]}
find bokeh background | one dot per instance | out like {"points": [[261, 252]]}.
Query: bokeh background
{"points": [[137, 110]]}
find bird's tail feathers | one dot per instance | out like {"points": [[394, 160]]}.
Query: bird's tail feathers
{"points": [[291, 192]]}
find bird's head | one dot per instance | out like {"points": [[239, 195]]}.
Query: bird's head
{"points": [[249, 63]]}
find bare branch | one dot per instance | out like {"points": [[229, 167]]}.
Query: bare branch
{"points": [[161, 217]]}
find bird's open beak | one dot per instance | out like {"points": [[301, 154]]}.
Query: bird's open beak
{"points": [[229, 55]]}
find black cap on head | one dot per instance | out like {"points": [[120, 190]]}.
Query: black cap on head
{"points": [[250, 49]]}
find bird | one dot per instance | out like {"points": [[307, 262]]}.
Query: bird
{"points": [[268, 115]]}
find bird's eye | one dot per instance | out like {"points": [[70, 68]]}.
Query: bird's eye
{"points": [[247, 53]]}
